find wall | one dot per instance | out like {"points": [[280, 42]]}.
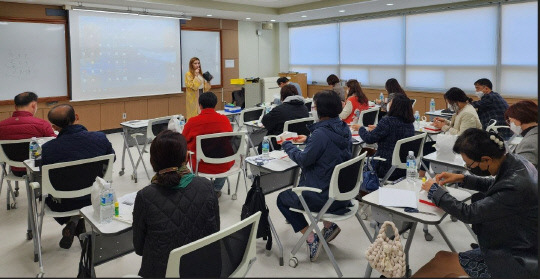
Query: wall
{"points": [[258, 54], [108, 114]]}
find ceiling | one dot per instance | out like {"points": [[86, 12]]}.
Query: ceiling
{"points": [[257, 10]]}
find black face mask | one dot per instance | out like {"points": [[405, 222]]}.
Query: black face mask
{"points": [[479, 172]]}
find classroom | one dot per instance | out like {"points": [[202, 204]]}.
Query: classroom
{"points": [[376, 104]]}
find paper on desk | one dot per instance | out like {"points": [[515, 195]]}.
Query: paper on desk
{"points": [[278, 154], [125, 214], [280, 165], [357, 138], [397, 197], [127, 199]]}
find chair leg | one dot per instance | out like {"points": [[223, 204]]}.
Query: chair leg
{"points": [[140, 160], [37, 226], [228, 186], [276, 237], [234, 196]]}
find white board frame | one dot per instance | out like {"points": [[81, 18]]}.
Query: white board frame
{"points": [[192, 43]]}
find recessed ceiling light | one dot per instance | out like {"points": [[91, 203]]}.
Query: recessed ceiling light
{"points": [[389, 4], [248, 18], [272, 20], [208, 15], [341, 11], [304, 16]]}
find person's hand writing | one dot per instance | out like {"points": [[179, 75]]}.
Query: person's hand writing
{"points": [[300, 139], [355, 127], [427, 185], [438, 124], [447, 178], [377, 101], [371, 127]]}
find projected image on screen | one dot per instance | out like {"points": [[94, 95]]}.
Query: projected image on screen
{"points": [[115, 55]]}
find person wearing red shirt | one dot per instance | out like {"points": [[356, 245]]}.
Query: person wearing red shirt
{"points": [[356, 100], [207, 122], [23, 125]]}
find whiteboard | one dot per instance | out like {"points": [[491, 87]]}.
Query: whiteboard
{"points": [[205, 45], [32, 58]]}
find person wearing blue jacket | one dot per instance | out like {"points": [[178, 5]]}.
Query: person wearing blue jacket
{"points": [[329, 144]]}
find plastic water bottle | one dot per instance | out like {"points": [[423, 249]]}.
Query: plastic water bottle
{"points": [[265, 147], [412, 172], [381, 97], [182, 123], [33, 148], [356, 116], [417, 119], [106, 205], [432, 105]]}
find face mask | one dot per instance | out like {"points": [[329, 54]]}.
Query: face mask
{"points": [[314, 115], [450, 107], [479, 172], [479, 94], [515, 128]]}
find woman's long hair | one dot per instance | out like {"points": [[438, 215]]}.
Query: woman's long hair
{"points": [[356, 90]]}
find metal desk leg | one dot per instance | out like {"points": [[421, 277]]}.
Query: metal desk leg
{"points": [[445, 238], [432, 174], [471, 231], [130, 156], [31, 231], [124, 147], [276, 237], [139, 161], [407, 247]]}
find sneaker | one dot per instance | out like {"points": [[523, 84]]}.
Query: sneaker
{"points": [[68, 232], [331, 233], [313, 249]]}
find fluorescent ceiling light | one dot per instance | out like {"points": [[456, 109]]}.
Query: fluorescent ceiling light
{"points": [[304, 16], [248, 18], [389, 4], [272, 20], [341, 11], [208, 15]]}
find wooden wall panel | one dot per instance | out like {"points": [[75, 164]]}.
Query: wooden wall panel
{"points": [[30, 11], [228, 24], [4, 115], [111, 115], [313, 89], [136, 110], [177, 105], [202, 23], [39, 114], [229, 45], [158, 107], [89, 116]]}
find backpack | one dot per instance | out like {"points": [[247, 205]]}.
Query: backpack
{"points": [[255, 202]]}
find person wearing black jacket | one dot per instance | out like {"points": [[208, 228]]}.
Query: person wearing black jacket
{"points": [[292, 107], [504, 213], [176, 209]]}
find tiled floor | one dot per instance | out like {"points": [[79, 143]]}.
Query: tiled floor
{"points": [[16, 253]]}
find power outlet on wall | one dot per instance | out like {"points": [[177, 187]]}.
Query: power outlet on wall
{"points": [[124, 116]]}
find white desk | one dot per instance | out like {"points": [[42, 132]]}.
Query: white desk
{"points": [[381, 213], [442, 164], [233, 116], [438, 113], [126, 126]]}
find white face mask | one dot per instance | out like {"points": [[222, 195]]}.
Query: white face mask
{"points": [[450, 107], [314, 115], [479, 94], [515, 128]]}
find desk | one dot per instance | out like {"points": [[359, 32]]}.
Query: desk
{"points": [[438, 113], [440, 165], [109, 241], [381, 213], [126, 126], [233, 116], [255, 134]]}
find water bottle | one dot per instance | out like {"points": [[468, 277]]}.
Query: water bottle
{"points": [[432, 105], [106, 205], [182, 123], [356, 116], [33, 148], [265, 147], [417, 119], [412, 172], [381, 97]]}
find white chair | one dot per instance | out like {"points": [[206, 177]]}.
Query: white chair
{"points": [[222, 148], [413, 102], [62, 175], [233, 263], [12, 154], [369, 117], [250, 114], [344, 186], [298, 126]]}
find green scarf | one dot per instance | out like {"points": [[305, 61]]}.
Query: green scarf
{"points": [[184, 172]]}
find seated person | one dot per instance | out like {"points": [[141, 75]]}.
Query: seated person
{"points": [[73, 143], [23, 125], [292, 107], [282, 81], [396, 125], [523, 120], [329, 144], [504, 214], [333, 81], [356, 100], [207, 122], [392, 87], [465, 117], [177, 208], [490, 106]]}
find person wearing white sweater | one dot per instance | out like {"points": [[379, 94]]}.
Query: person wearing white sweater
{"points": [[465, 116]]}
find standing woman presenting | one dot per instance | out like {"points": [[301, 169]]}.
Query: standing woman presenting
{"points": [[195, 85]]}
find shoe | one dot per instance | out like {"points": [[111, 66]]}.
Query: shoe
{"points": [[313, 249], [331, 233], [218, 194], [474, 245], [68, 232]]}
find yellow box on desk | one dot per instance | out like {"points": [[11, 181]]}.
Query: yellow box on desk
{"points": [[238, 81]]}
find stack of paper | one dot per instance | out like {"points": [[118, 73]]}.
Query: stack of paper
{"points": [[397, 197]]}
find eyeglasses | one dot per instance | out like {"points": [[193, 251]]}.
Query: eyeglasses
{"points": [[469, 167]]}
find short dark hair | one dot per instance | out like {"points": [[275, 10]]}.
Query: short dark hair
{"points": [[332, 79], [208, 100], [288, 90], [455, 94], [401, 108], [484, 82], [25, 98], [356, 90], [282, 80], [476, 143], [62, 115], [392, 86], [168, 150], [328, 103], [524, 111]]}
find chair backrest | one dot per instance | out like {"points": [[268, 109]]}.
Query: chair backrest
{"points": [[492, 126], [227, 253], [413, 102], [75, 178], [14, 152], [308, 105], [251, 114], [369, 117], [401, 150], [220, 148], [157, 125], [347, 178], [299, 126]]}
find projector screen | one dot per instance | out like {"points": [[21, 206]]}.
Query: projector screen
{"points": [[121, 55]]}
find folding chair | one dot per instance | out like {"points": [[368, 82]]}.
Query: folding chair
{"points": [[12, 154], [227, 253], [155, 126], [413, 102], [66, 180], [222, 148], [299, 126], [247, 115], [344, 186], [369, 117]]}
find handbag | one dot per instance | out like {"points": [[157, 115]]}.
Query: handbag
{"points": [[370, 179], [386, 255], [85, 270], [207, 76]]}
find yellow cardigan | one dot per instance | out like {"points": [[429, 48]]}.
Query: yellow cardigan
{"points": [[192, 94]]}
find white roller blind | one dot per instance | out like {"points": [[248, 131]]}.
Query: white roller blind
{"points": [[313, 45]]}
